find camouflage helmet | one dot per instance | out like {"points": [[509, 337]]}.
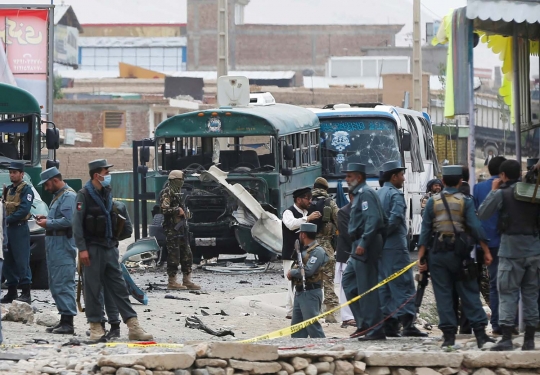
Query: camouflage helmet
{"points": [[176, 175]]}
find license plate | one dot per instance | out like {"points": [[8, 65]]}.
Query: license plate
{"points": [[205, 241]]}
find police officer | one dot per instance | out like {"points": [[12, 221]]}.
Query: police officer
{"points": [[95, 228], [175, 215], [447, 215], [343, 252], [16, 269], [519, 254], [3, 250], [365, 228], [60, 247], [434, 186], [308, 295], [395, 256], [326, 230]]}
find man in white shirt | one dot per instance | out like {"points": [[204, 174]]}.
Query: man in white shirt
{"points": [[292, 218]]}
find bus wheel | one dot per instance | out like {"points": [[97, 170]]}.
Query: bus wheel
{"points": [[40, 274], [491, 148]]}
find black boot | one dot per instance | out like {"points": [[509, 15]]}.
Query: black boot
{"points": [[482, 337], [528, 341], [506, 343], [102, 326], [376, 334], [114, 333], [391, 327], [25, 294], [66, 326], [449, 337], [10, 296], [50, 329], [409, 329]]}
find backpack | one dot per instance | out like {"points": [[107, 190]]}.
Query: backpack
{"points": [[319, 204]]}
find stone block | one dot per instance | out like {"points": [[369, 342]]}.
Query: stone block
{"points": [[229, 371], [256, 367], [378, 370], [448, 371], [326, 358], [299, 363], [345, 368], [107, 370], [286, 366], [212, 362], [483, 359], [159, 372], [359, 367], [311, 370], [400, 371], [484, 371], [181, 372], [47, 319], [215, 370], [199, 371], [282, 372], [246, 352], [322, 367], [408, 359], [164, 361], [19, 312], [126, 371], [425, 371], [502, 371], [344, 354], [528, 359]]}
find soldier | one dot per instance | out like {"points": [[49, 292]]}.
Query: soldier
{"points": [[519, 254], [308, 296], [448, 215], [366, 224], [343, 252], [434, 186], [95, 229], [60, 247], [292, 218], [395, 256], [326, 231], [16, 270], [176, 229]]}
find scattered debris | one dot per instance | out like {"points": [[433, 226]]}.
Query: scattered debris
{"points": [[204, 313], [147, 310], [152, 286], [196, 323], [19, 312], [196, 292], [47, 319], [235, 269], [244, 282], [170, 296], [222, 313]]}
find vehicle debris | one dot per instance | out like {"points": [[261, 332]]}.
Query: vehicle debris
{"points": [[170, 296], [196, 323]]}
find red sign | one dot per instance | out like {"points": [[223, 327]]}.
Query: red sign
{"points": [[24, 36]]}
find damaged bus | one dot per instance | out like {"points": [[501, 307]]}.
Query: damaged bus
{"points": [[234, 158]]}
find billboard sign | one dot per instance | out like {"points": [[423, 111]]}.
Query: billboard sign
{"points": [[66, 45]]}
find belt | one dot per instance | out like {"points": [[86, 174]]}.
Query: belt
{"points": [[17, 223], [60, 232], [300, 288]]}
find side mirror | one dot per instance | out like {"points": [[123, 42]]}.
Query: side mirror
{"points": [[288, 152], [52, 139], [406, 141], [145, 155], [286, 172], [52, 163]]}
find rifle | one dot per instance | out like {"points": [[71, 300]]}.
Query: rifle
{"points": [[4, 194], [300, 262], [183, 229], [422, 279]]}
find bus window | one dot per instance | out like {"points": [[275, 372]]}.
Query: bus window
{"points": [[16, 137], [416, 153]]}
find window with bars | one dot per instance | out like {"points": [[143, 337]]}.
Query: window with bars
{"points": [[166, 59], [114, 119], [305, 148]]}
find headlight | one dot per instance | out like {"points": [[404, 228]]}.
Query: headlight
{"points": [[33, 227]]}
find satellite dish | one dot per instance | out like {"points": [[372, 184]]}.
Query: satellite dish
{"points": [[233, 91]]}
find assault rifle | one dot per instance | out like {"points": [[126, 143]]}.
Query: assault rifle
{"points": [[4, 193], [300, 262], [422, 279]]}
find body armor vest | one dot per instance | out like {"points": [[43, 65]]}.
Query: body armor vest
{"points": [[176, 201], [95, 221], [442, 223], [517, 217], [14, 201], [317, 277]]}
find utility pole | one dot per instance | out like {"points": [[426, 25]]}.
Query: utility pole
{"points": [[223, 38], [417, 58]]}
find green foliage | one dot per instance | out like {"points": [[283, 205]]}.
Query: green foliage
{"points": [[57, 89]]}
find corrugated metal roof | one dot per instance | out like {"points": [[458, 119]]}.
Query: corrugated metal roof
{"points": [[132, 42], [208, 75]]}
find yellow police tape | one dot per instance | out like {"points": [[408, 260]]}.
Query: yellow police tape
{"points": [[297, 327]]}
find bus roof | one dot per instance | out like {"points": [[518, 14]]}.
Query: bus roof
{"points": [[18, 101], [278, 119]]}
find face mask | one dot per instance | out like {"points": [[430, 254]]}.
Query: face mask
{"points": [[106, 180], [176, 183]]}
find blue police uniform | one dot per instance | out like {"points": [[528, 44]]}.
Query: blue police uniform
{"points": [[365, 228], [16, 267], [4, 249]]}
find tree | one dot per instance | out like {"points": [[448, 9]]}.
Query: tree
{"points": [[57, 88]]}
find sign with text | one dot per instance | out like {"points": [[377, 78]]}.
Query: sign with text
{"points": [[65, 45]]}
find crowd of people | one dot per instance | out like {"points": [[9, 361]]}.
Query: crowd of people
{"points": [[484, 242]]}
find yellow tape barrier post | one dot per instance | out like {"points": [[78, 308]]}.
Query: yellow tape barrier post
{"points": [[297, 327]]}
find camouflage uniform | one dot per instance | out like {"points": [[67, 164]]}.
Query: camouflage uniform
{"points": [[324, 238], [179, 252]]}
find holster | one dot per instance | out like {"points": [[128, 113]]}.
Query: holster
{"points": [[468, 270]]}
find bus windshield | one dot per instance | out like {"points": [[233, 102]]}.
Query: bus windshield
{"points": [[371, 141]]}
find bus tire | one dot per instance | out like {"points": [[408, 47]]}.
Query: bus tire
{"points": [[491, 148], [40, 274]]}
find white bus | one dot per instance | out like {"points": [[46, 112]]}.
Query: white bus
{"points": [[372, 134]]}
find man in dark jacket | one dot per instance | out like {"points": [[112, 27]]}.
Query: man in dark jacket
{"points": [[344, 245]]}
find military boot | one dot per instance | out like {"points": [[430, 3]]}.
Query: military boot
{"points": [[136, 333], [528, 341], [505, 344], [114, 332], [57, 325], [482, 337], [25, 295], [174, 285], [96, 331], [449, 337], [391, 327], [102, 326], [409, 329], [188, 283], [10, 296], [66, 326]]}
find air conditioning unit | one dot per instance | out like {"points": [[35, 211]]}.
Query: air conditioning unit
{"points": [[261, 99]]}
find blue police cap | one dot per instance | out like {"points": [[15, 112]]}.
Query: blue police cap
{"points": [[99, 163], [452, 170], [308, 228], [47, 174], [392, 166], [355, 167], [16, 165]]}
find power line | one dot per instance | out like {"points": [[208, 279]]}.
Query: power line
{"points": [[432, 12]]}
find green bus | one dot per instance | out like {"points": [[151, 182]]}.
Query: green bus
{"points": [[22, 139], [271, 150]]}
